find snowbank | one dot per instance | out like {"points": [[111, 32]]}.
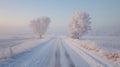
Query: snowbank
{"points": [[84, 43], [17, 49], [113, 56]]}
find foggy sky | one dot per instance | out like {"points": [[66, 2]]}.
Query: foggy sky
{"points": [[15, 15]]}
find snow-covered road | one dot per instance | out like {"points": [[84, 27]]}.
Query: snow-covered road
{"points": [[54, 53]]}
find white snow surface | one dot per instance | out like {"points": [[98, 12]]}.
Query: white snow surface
{"points": [[18, 46], [110, 58], [57, 52]]}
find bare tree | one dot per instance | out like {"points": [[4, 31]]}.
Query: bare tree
{"points": [[79, 25], [40, 25]]}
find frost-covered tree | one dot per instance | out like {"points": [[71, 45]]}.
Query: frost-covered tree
{"points": [[40, 25], [79, 25]]}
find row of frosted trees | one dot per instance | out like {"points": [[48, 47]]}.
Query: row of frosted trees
{"points": [[79, 25]]}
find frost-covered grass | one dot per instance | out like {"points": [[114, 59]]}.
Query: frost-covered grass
{"points": [[111, 54], [14, 46], [106, 42], [109, 47]]}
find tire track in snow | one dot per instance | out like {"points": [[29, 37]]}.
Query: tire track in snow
{"points": [[57, 57], [95, 59], [90, 58], [71, 64], [40, 57], [33, 58], [49, 57], [78, 60]]}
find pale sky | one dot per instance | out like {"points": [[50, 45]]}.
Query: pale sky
{"points": [[15, 15]]}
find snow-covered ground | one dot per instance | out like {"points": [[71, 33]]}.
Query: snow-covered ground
{"points": [[109, 42], [52, 53], [106, 46], [58, 52], [12, 45], [8, 40]]}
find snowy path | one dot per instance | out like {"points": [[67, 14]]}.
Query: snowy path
{"points": [[54, 53]]}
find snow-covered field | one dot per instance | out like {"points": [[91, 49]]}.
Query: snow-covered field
{"points": [[110, 42], [109, 47], [12, 45], [63, 52]]}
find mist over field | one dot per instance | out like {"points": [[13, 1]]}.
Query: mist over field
{"points": [[70, 33]]}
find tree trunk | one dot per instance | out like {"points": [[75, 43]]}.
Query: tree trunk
{"points": [[74, 37], [40, 36]]}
